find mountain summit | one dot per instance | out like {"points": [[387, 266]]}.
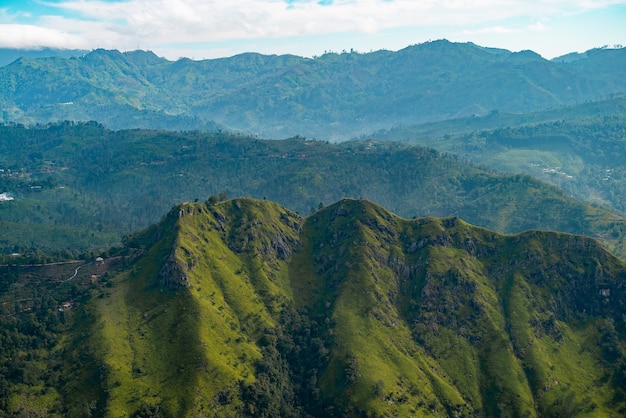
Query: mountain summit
{"points": [[243, 308]]}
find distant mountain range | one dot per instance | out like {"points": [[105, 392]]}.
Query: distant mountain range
{"points": [[244, 308], [331, 97], [8, 55]]}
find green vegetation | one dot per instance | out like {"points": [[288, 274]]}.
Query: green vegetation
{"points": [[580, 149], [8, 55], [244, 308], [81, 187], [248, 307], [336, 96]]}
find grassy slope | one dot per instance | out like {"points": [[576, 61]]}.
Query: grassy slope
{"points": [[442, 328], [186, 350], [426, 317]]}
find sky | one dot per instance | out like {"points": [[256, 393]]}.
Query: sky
{"points": [[203, 29]]}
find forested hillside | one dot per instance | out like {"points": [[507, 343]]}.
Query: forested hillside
{"points": [[8, 55], [332, 97], [579, 149], [244, 308], [78, 187]]}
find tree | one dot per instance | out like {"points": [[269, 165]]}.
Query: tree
{"points": [[212, 200]]}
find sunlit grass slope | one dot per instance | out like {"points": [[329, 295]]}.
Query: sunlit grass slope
{"points": [[435, 316], [179, 328], [422, 317]]}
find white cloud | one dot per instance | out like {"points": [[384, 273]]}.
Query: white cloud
{"points": [[163, 23], [31, 36]]}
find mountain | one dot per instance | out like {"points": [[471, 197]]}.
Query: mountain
{"points": [[8, 55], [244, 308], [331, 97], [81, 187], [579, 148], [432, 133]]}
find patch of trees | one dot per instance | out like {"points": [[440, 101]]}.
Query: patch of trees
{"points": [[295, 354]]}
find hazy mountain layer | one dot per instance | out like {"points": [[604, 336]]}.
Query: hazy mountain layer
{"points": [[332, 97], [8, 55], [244, 308], [580, 148]]}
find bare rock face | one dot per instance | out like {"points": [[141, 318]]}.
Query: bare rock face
{"points": [[172, 275]]}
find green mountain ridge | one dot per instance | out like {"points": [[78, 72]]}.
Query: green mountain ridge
{"points": [[103, 184], [8, 55], [334, 97], [244, 308]]}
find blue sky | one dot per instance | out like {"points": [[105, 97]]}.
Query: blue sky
{"points": [[209, 28]]}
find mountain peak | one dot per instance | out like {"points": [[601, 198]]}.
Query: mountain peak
{"points": [[525, 56], [350, 311], [101, 52], [143, 58]]}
